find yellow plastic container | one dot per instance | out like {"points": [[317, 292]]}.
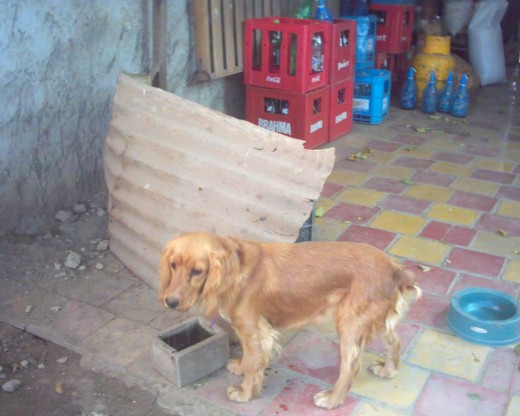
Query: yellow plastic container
{"points": [[435, 57]]}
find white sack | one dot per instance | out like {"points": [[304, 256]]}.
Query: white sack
{"points": [[486, 50], [457, 14]]}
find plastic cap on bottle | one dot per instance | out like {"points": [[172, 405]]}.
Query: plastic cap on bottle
{"points": [[432, 77], [450, 77], [411, 72], [463, 79]]}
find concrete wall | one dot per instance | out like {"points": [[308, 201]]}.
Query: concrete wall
{"points": [[59, 62]]}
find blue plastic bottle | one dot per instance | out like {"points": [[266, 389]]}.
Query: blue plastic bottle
{"points": [[409, 92], [322, 13], [461, 99], [446, 96], [430, 96]]}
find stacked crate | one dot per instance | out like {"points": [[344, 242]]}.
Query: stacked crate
{"points": [[395, 21], [283, 92]]}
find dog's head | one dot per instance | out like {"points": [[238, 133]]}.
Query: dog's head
{"points": [[193, 267]]}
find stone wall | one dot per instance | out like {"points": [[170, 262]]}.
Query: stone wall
{"points": [[60, 61]]}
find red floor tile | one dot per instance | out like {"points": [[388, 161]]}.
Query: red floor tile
{"points": [[356, 214], [509, 192], [516, 170], [313, 356], [413, 162], [359, 234], [433, 178], [330, 189], [297, 399], [362, 166], [447, 233], [435, 280], [494, 223], [405, 204], [467, 280], [500, 369], [473, 201], [409, 139], [429, 310], [453, 157], [493, 176], [475, 262], [482, 150], [447, 396], [383, 146], [392, 186]]}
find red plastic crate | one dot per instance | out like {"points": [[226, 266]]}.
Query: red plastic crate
{"points": [[292, 70], [394, 27], [341, 96], [384, 60], [343, 48], [302, 116]]}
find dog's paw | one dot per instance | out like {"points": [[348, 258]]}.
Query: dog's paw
{"points": [[380, 370], [237, 394], [325, 400], [234, 367]]}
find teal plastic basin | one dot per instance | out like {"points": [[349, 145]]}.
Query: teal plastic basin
{"points": [[484, 316]]}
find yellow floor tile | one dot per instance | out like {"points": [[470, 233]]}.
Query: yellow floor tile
{"points": [[392, 171], [451, 169], [494, 243], [449, 354], [413, 151], [476, 186], [381, 157], [492, 164], [509, 209], [514, 406], [428, 192], [427, 251], [453, 214], [513, 271], [357, 196], [369, 409], [328, 229], [401, 391], [398, 223], [346, 177]]}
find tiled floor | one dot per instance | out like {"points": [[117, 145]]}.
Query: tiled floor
{"points": [[446, 202]]}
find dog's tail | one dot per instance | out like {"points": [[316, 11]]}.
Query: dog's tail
{"points": [[408, 282]]}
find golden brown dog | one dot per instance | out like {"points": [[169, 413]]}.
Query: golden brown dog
{"points": [[262, 287]]}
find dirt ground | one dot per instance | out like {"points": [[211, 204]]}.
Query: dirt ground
{"points": [[55, 384], [52, 380]]}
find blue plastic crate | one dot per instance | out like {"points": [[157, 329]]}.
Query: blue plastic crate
{"points": [[365, 40], [371, 96]]}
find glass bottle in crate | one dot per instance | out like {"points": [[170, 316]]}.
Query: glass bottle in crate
{"points": [[461, 99], [304, 10], [430, 96], [409, 91], [446, 96], [275, 37], [317, 53]]}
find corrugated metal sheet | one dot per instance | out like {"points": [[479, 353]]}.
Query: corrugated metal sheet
{"points": [[172, 166]]}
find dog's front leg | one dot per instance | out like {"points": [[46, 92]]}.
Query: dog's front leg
{"points": [[252, 365]]}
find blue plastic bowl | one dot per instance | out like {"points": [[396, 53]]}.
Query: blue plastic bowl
{"points": [[484, 316]]}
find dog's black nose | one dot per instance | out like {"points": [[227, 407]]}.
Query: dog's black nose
{"points": [[172, 302]]}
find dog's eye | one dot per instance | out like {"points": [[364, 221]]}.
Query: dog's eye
{"points": [[173, 265], [195, 272]]}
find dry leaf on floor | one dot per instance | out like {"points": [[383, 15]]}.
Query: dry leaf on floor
{"points": [[59, 388], [319, 212], [503, 233], [424, 268], [408, 181]]}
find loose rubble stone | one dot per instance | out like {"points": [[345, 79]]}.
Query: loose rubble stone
{"points": [[79, 208], [99, 266], [60, 274], [64, 216], [82, 267], [57, 266], [62, 360], [41, 366], [100, 212], [56, 308], [73, 260], [11, 385], [24, 363], [28, 309], [102, 245]]}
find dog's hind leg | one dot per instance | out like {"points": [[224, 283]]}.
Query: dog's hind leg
{"points": [[389, 368], [352, 329]]}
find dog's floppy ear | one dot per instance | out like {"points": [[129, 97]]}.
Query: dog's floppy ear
{"points": [[224, 267], [164, 270]]}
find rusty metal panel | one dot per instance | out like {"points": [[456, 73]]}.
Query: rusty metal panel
{"points": [[172, 166]]}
